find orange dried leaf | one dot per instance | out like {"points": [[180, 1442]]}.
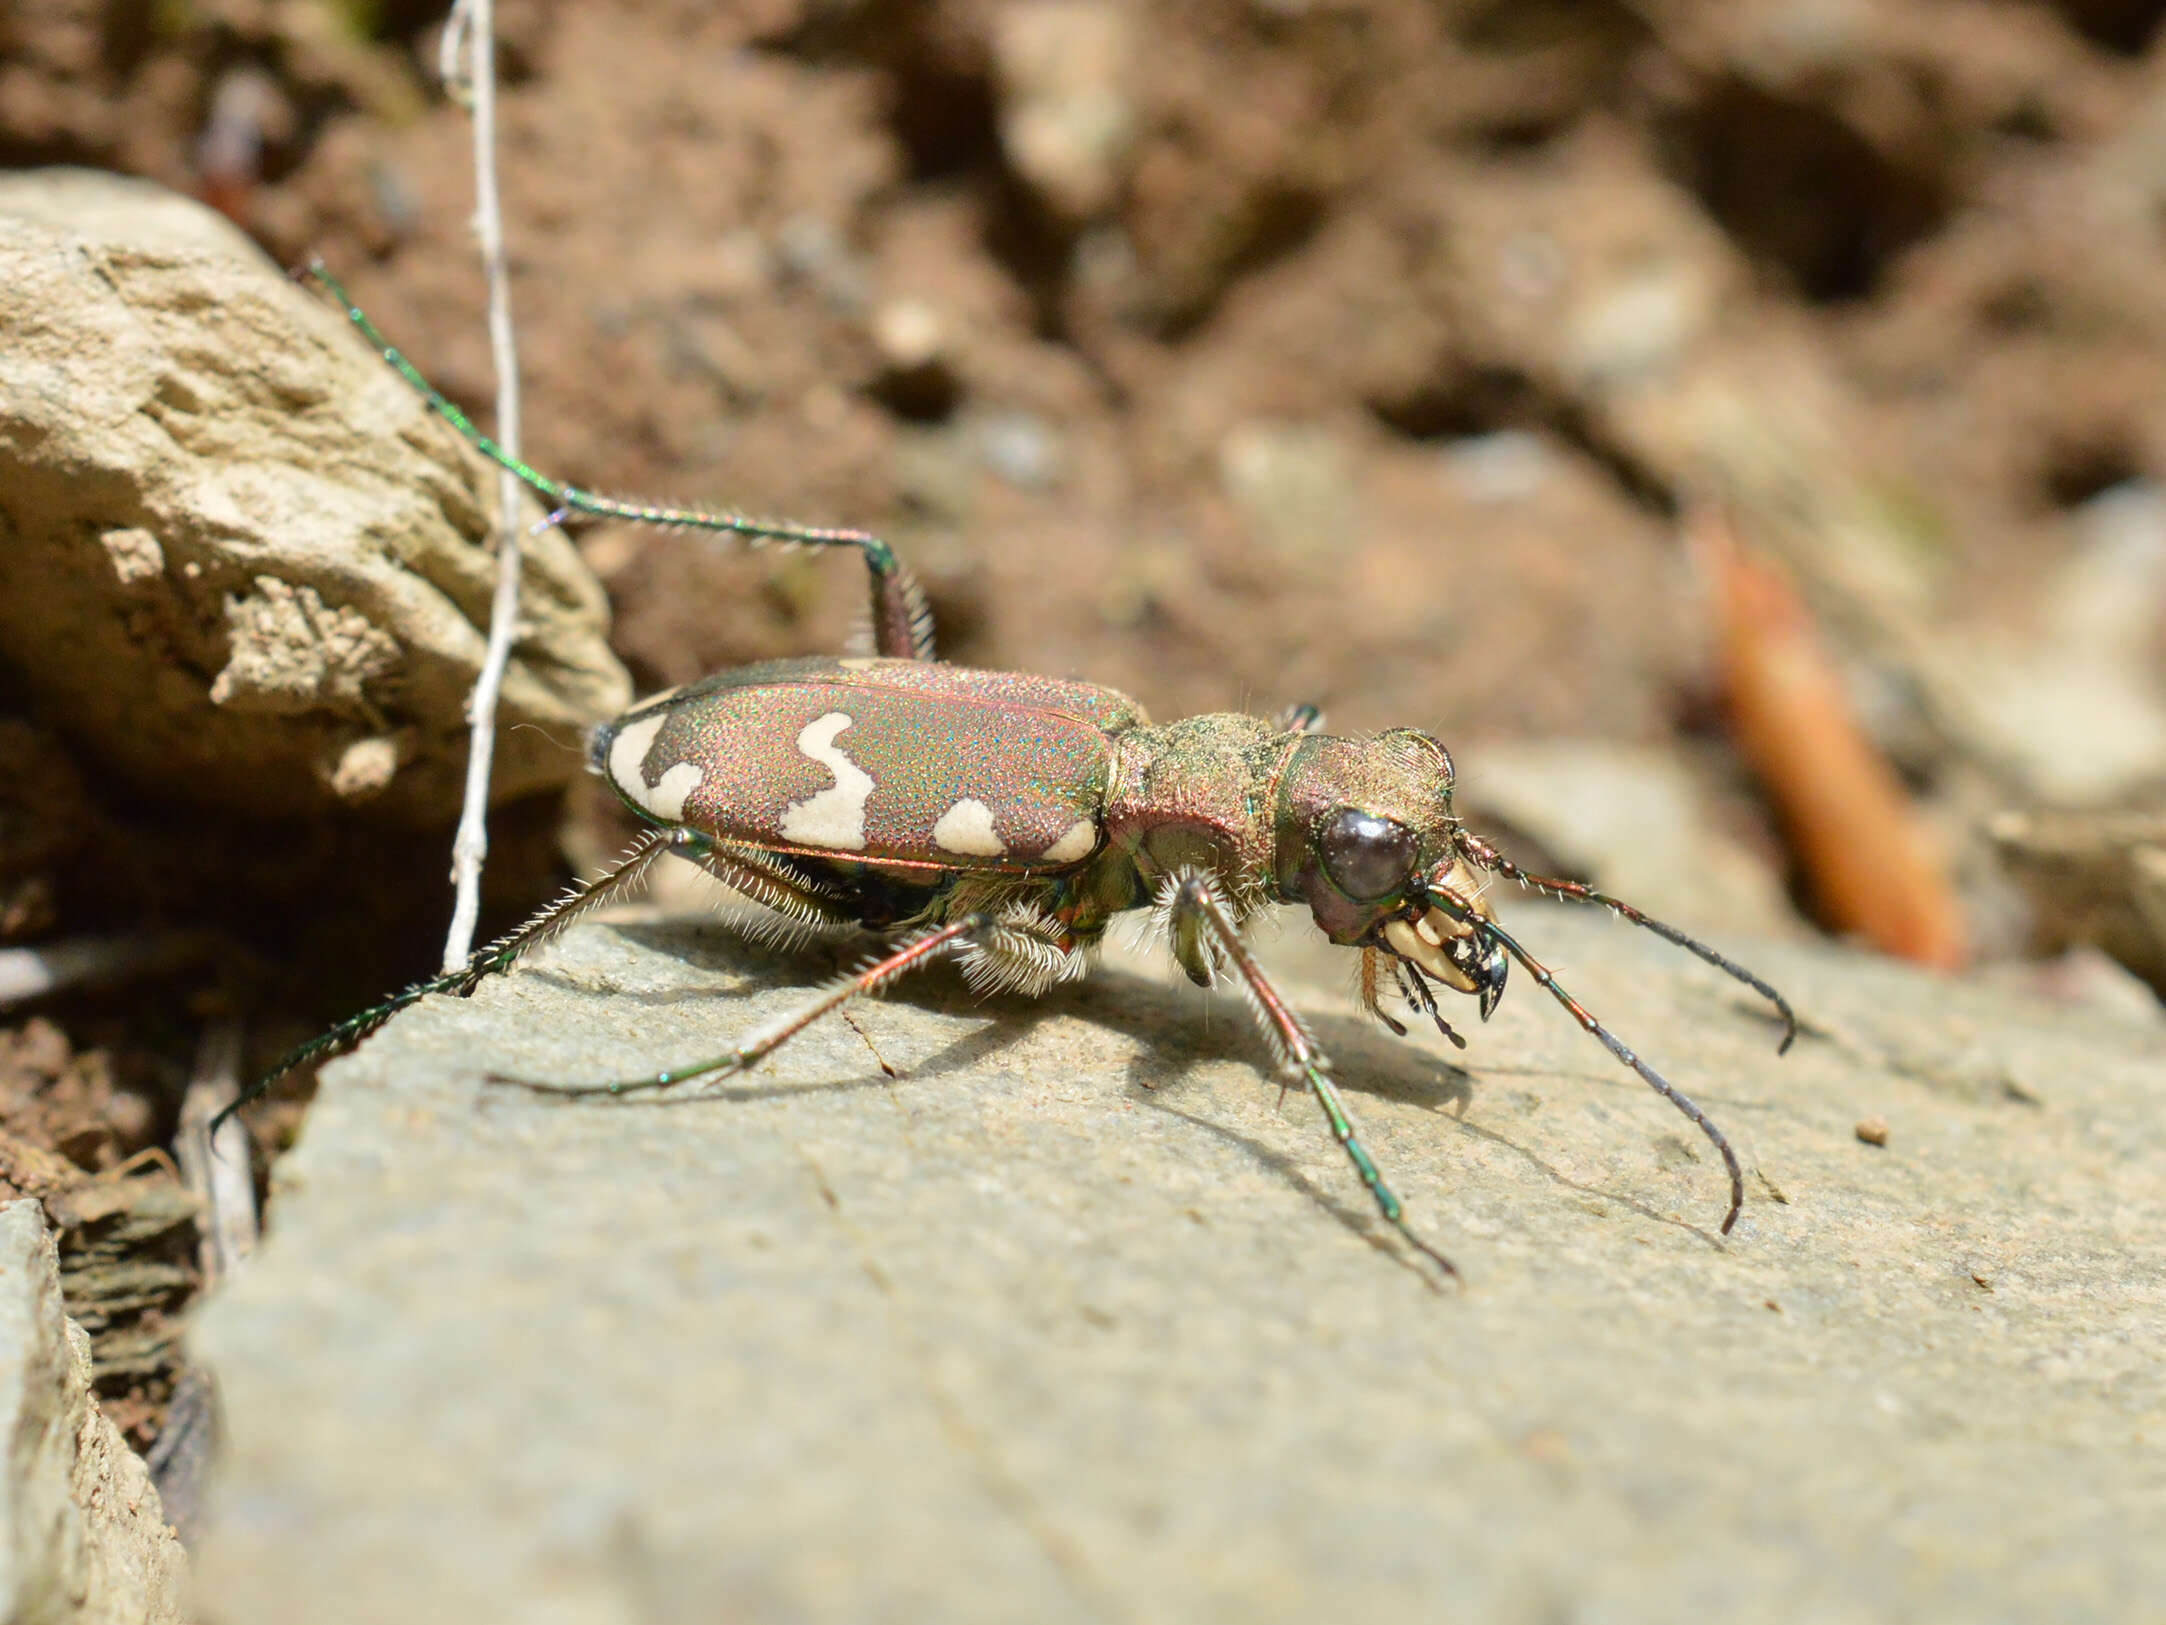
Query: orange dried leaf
{"points": [[1871, 866]]}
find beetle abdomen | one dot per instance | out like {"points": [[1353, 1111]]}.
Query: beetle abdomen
{"points": [[883, 761]]}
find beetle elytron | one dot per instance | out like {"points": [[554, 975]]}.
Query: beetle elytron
{"points": [[1006, 819]]}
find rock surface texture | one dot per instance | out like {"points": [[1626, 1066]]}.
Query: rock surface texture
{"points": [[239, 562], [86, 1541], [1000, 1310]]}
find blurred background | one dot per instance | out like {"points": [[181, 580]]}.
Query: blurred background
{"points": [[1735, 426]]}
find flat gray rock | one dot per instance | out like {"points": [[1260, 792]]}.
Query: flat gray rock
{"points": [[1006, 1310]]}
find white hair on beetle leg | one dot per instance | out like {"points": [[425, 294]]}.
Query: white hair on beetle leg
{"points": [[1025, 951]]}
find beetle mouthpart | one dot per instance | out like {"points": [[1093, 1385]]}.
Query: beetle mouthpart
{"points": [[1486, 964], [1440, 946]]}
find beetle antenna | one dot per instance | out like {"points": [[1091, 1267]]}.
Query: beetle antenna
{"points": [[1617, 1047], [1480, 852]]}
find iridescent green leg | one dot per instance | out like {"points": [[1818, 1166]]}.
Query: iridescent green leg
{"points": [[902, 626], [1198, 902]]}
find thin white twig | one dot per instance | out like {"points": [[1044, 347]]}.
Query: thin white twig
{"points": [[473, 24], [216, 1169]]}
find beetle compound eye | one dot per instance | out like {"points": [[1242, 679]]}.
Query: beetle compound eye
{"points": [[1367, 857]]}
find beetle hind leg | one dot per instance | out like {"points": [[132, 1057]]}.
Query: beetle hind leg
{"points": [[492, 959], [794, 908]]}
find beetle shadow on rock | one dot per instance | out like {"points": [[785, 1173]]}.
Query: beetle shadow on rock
{"points": [[1171, 1035], [714, 948]]}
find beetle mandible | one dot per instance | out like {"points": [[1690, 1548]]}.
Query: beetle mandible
{"points": [[1006, 819]]}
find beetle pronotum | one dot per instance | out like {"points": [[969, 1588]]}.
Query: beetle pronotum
{"points": [[1006, 819]]}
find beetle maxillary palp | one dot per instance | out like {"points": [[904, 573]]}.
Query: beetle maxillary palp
{"points": [[1417, 995]]}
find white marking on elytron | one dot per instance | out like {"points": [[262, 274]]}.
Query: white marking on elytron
{"points": [[967, 827], [627, 758], [835, 818], [1074, 844]]}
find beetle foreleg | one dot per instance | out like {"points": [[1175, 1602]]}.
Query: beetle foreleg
{"points": [[893, 962], [902, 625], [1481, 853], [1197, 900]]}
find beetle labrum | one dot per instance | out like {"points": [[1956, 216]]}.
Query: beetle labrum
{"points": [[1006, 819]]}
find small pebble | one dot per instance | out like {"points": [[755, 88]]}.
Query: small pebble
{"points": [[1873, 1130], [909, 334]]}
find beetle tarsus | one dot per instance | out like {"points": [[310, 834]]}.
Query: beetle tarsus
{"points": [[492, 959]]}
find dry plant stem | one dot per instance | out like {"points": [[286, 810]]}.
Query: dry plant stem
{"points": [[472, 25], [1870, 861], [214, 1163]]}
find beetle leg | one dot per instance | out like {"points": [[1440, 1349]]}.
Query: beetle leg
{"points": [[1197, 899], [892, 962], [902, 625], [1023, 950], [1299, 719], [483, 963], [755, 875]]}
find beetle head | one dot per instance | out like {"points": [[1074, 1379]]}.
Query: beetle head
{"points": [[1369, 841]]}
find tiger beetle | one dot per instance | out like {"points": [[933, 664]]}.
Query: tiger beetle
{"points": [[1004, 819]]}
